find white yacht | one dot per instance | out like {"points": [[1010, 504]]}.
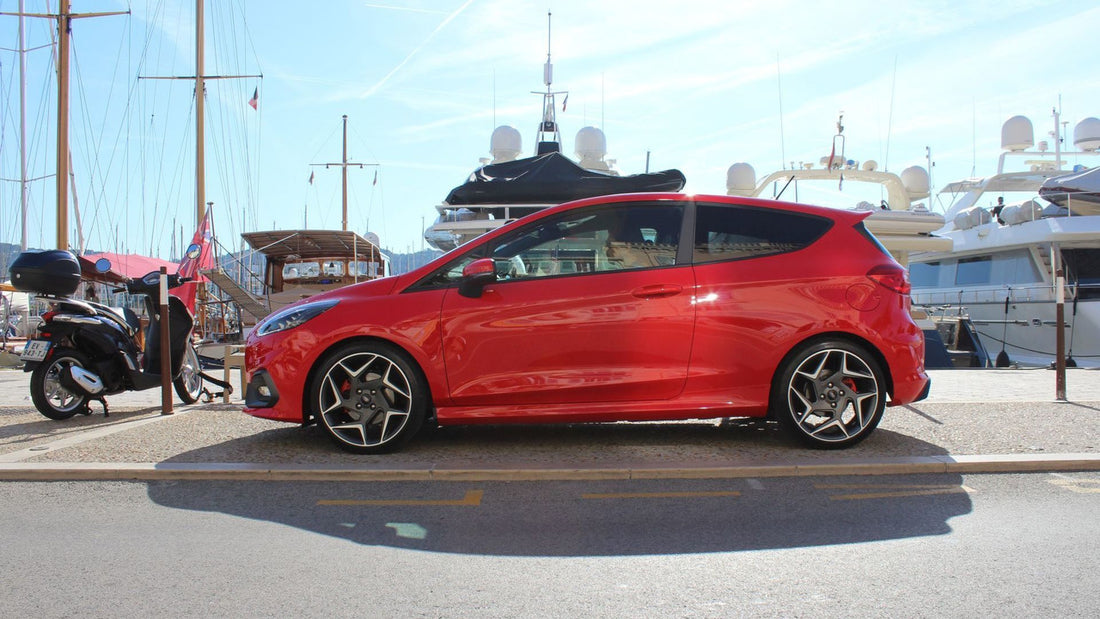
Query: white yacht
{"points": [[507, 187], [901, 223], [1007, 246]]}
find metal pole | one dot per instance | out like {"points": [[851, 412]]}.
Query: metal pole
{"points": [[165, 344], [1060, 325]]}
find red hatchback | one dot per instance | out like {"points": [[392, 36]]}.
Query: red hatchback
{"points": [[628, 307]]}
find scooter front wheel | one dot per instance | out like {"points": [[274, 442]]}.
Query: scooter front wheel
{"points": [[49, 395], [189, 382]]}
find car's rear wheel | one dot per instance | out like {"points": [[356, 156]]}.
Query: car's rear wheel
{"points": [[368, 397], [830, 394]]}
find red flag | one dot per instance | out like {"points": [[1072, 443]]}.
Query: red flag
{"points": [[196, 261], [831, 156], [565, 102], [255, 100]]}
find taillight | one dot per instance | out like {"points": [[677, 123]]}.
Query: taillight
{"points": [[891, 277], [48, 316]]}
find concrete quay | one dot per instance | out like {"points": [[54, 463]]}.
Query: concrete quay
{"points": [[973, 421]]}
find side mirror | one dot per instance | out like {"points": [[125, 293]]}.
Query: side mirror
{"points": [[193, 251], [102, 265], [476, 276]]}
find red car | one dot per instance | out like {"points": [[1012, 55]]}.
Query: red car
{"points": [[627, 307]]}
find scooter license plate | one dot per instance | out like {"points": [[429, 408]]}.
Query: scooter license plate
{"points": [[35, 350]]}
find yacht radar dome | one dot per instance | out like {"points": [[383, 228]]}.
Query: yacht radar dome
{"points": [[1086, 135], [1017, 134], [870, 165], [915, 180], [740, 180], [591, 147], [506, 144]]}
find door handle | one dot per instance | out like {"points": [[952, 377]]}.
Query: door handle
{"points": [[657, 291]]}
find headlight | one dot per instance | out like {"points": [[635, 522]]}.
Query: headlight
{"points": [[294, 316]]}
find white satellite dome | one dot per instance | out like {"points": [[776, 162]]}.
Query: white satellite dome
{"points": [[870, 165], [1086, 135], [740, 180], [591, 147], [915, 180], [1017, 134], [506, 144]]}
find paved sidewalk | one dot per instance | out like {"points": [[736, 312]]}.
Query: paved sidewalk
{"points": [[973, 420]]}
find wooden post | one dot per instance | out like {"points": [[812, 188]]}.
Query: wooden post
{"points": [[165, 345]]}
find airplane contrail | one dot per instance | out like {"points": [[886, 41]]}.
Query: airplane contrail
{"points": [[377, 86]]}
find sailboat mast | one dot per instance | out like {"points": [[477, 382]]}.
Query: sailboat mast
{"points": [[344, 175], [23, 125], [200, 116], [64, 27]]}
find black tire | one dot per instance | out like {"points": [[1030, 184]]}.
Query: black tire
{"points": [[50, 397], [829, 394], [369, 397], [188, 384]]}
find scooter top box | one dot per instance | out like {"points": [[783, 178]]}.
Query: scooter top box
{"points": [[50, 272]]}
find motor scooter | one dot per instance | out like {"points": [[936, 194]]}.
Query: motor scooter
{"points": [[84, 351]]}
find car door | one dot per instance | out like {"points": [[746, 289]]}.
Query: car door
{"points": [[590, 305]]}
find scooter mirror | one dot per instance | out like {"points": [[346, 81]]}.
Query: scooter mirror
{"points": [[193, 251], [102, 265]]}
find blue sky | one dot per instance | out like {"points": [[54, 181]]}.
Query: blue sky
{"points": [[424, 82]]}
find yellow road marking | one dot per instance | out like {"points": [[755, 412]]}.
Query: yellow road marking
{"points": [[1080, 486], [903, 491], [472, 499], [883, 486], [660, 495]]}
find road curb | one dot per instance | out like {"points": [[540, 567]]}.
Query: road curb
{"points": [[1000, 463]]}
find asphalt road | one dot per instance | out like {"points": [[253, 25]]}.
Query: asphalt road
{"points": [[932, 545]]}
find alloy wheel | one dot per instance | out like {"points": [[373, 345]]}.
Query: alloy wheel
{"points": [[833, 396], [365, 399]]}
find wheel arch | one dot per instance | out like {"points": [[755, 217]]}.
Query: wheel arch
{"points": [[824, 337], [307, 409]]}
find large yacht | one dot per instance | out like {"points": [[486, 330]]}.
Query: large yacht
{"points": [[898, 220], [508, 187], [1008, 243]]}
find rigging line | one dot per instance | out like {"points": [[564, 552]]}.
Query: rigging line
{"points": [[104, 173]]}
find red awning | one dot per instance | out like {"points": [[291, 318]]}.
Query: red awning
{"points": [[123, 266]]}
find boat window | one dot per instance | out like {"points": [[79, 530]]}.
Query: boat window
{"points": [[1083, 268], [729, 232], [974, 270], [1016, 267], [299, 270], [924, 274]]}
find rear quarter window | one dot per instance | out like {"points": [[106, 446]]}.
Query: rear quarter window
{"points": [[730, 232]]}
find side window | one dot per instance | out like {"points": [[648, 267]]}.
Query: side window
{"points": [[729, 232], [598, 239], [593, 240]]}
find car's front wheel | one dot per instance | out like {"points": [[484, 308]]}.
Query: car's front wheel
{"points": [[368, 397], [830, 395]]}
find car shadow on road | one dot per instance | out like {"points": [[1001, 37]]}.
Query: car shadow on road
{"points": [[596, 517]]}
